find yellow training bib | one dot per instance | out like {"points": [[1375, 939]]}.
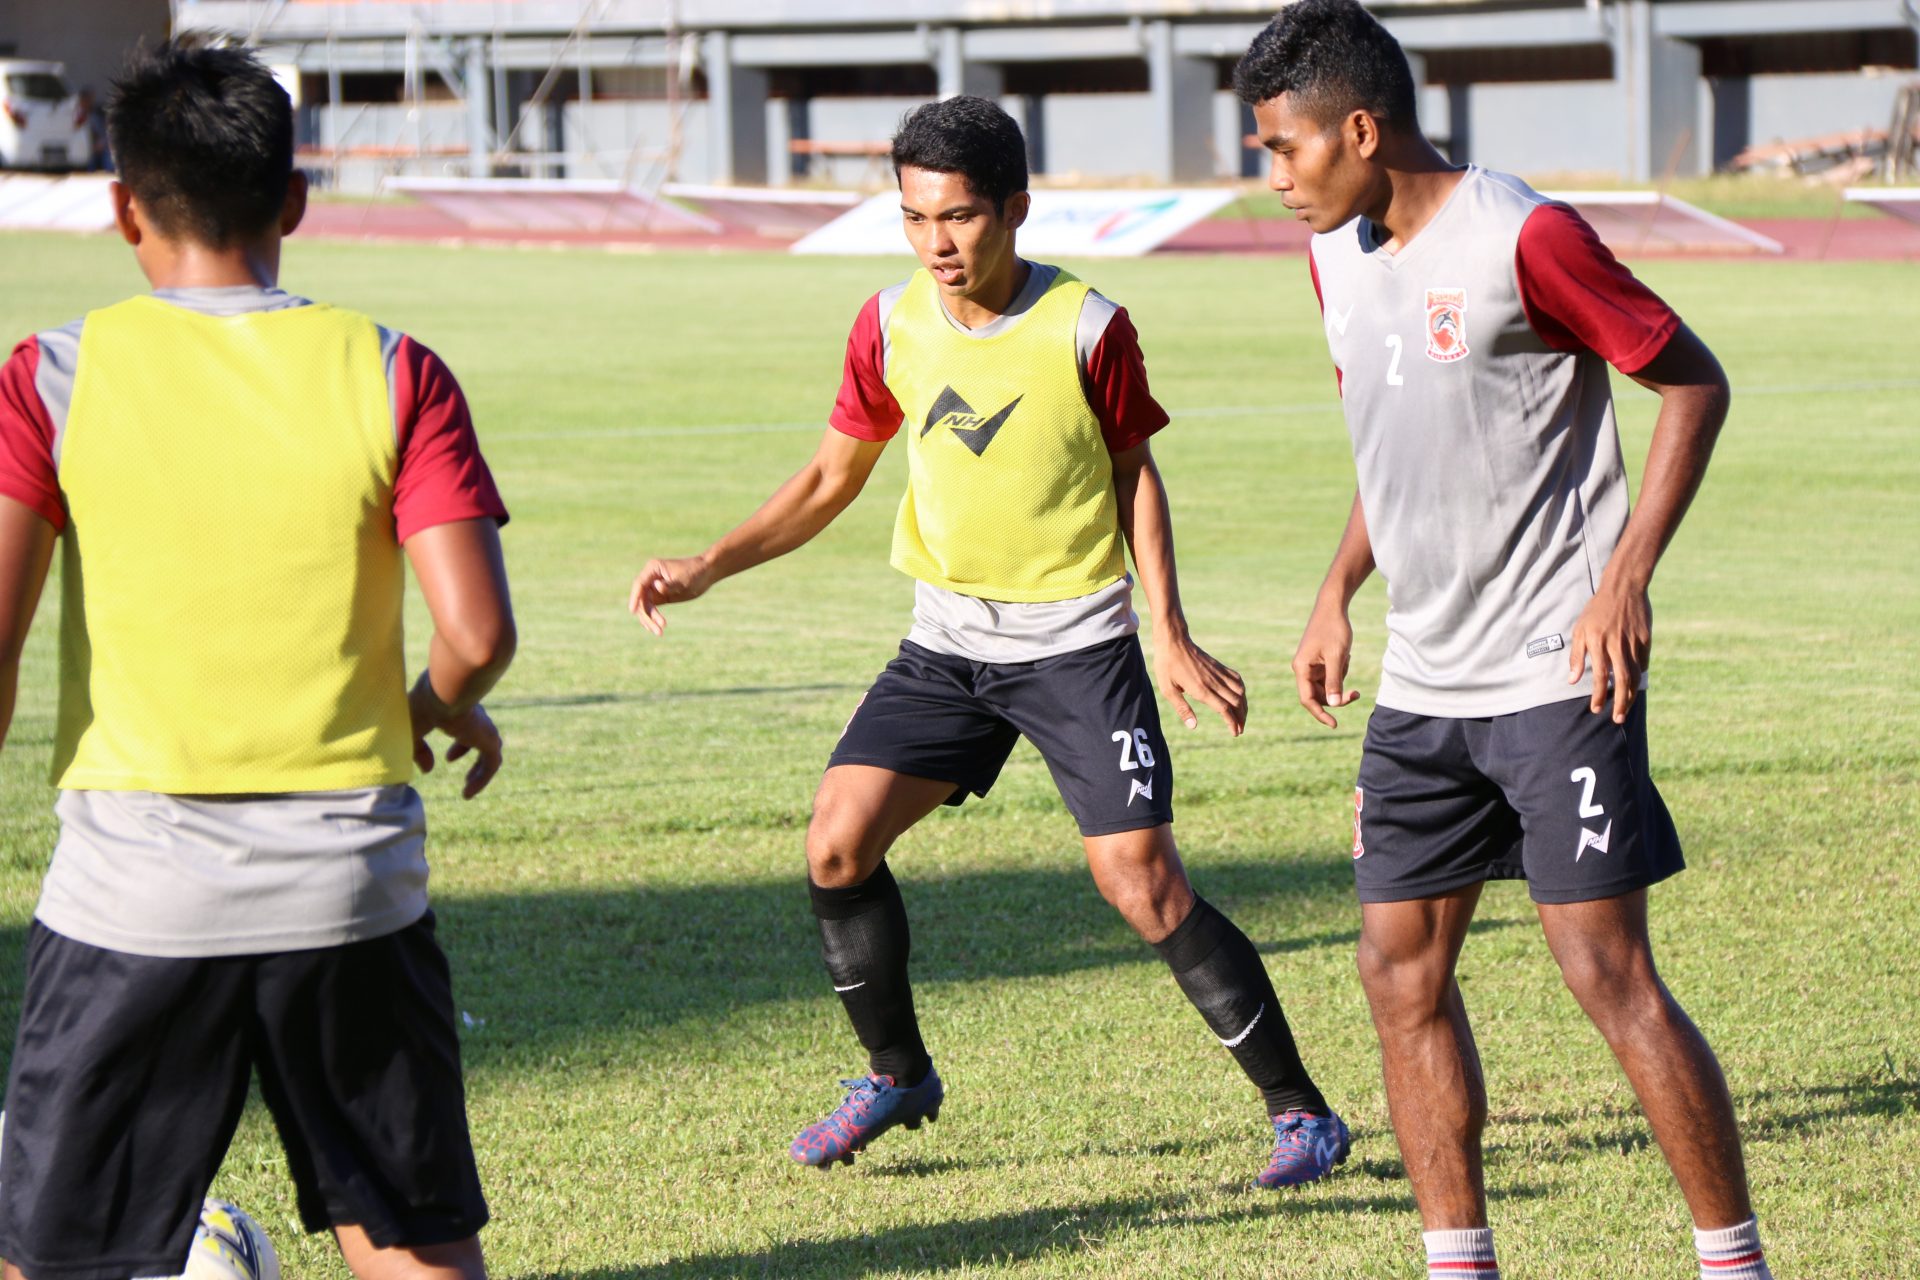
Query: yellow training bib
{"points": [[231, 581], [1010, 485]]}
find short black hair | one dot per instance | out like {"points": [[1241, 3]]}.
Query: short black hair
{"points": [[1333, 57], [203, 138], [969, 136]]}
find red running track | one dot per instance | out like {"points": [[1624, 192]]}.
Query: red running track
{"points": [[1805, 239]]}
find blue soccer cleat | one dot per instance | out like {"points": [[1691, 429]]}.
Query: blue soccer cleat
{"points": [[1306, 1147], [874, 1104]]}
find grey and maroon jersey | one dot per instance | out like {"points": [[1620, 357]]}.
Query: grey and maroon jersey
{"points": [[1473, 371]]}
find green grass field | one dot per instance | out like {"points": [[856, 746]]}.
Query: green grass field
{"points": [[626, 911]]}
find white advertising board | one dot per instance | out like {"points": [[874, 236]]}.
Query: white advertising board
{"points": [[1901, 202], [34, 202], [1084, 224]]}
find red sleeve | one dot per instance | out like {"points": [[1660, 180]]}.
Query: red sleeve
{"points": [[865, 409], [27, 473], [1117, 386], [1579, 298], [1339, 378], [442, 476]]}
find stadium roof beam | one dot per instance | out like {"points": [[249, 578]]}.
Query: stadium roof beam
{"points": [[834, 49], [1506, 29], [1702, 19], [275, 20], [521, 53]]}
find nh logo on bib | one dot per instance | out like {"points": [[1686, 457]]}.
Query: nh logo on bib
{"points": [[975, 430], [1446, 325]]}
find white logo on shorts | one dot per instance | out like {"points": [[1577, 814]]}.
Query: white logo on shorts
{"points": [[1594, 840], [1135, 787]]}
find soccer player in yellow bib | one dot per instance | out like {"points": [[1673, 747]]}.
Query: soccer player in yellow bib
{"points": [[1027, 416], [233, 476]]}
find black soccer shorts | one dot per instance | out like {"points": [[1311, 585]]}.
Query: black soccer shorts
{"points": [[1555, 795], [1091, 713], [129, 1073]]}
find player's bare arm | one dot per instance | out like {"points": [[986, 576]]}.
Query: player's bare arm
{"points": [[799, 509], [26, 549], [1614, 637], [463, 576], [1182, 668], [1320, 663]]}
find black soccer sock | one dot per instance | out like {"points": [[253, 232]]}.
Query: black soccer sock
{"points": [[864, 940], [1221, 973]]}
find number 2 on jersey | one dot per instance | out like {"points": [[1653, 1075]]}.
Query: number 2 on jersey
{"points": [[1393, 366]]}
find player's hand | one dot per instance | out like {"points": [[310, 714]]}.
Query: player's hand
{"points": [[667, 582], [1614, 636], [472, 730], [1185, 670], [1320, 663]]}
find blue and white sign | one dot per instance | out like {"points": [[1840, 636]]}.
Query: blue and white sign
{"points": [[1083, 224]]}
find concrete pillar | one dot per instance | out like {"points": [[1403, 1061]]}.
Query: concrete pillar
{"points": [[1732, 117], [957, 75], [1661, 80], [1459, 123], [502, 97], [1033, 123], [479, 86], [1181, 148], [737, 98], [334, 117]]}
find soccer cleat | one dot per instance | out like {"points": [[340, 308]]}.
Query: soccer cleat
{"points": [[1306, 1147], [874, 1104]]}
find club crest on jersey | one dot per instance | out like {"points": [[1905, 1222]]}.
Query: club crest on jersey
{"points": [[1446, 325], [975, 430]]}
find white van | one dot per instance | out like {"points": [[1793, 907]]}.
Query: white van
{"points": [[42, 125]]}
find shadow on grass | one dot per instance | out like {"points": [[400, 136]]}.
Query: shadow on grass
{"points": [[999, 1239], [545, 968], [1770, 1114], [1348, 937]]}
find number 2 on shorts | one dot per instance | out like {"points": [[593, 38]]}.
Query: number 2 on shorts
{"points": [[1585, 776]]}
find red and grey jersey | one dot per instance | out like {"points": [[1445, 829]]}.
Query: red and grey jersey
{"points": [[1113, 374], [1473, 372]]}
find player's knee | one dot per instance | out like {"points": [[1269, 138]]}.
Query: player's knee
{"points": [[1613, 983], [839, 850], [1151, 910], [1401, 983]]}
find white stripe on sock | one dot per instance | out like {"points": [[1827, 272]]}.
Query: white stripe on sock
{"points": [[1246, 1031]]}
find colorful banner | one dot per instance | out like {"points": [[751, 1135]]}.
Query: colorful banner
{"points": [[1083, 224]]}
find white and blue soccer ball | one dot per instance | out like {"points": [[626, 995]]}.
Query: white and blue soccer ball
{"points": [[229, 1245]]}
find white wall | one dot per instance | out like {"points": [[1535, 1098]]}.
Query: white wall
{"points": [[1574, 126], [604, 136], [1097, 135], [1804, 106]]}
